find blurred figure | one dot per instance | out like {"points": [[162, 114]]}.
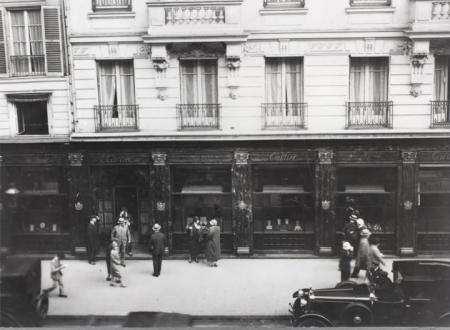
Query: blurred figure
{"points": [[212, 252], [56, 275], [130, 225], [92, 239], [121, 232], [116, 277], [362, 256], [375, 256], [346, 255], [193, 230], [157, 244]]}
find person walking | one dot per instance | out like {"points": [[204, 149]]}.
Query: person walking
{"points": [[157, 244], [108, 249], [375, 255], [130, 225], [212, 251], [193, 230], [122, 234], [346, 255], [92, 239], [56, 275], [115, 262], [362, 261]]}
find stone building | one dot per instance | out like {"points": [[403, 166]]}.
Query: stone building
{"points": [[271, 116]]}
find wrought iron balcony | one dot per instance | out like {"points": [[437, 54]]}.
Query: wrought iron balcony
{"points": [[198, 116], [440, 114], [284, 3], [369, 114], [111, 5], [194, 15], [27, 65], [116, 117], [284, 115]]}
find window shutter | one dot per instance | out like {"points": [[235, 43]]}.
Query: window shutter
{"points": [[3, 65], [51, 21]]}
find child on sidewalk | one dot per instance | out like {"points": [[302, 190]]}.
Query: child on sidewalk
{"points": [[56, 275], [114, 265], [345, 259]]}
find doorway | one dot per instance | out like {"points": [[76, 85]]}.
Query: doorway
{"points": [[127, 197]]}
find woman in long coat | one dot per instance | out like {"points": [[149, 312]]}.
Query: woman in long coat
{"points": [[362, 260], [193, 231], [212, 251]]}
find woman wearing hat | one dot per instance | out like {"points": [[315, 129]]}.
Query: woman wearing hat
{"points": [[345, 259], [193, 230], [363, 255], [212, 252]]}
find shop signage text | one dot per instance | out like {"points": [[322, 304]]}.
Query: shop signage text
{"points": [[283, 156]]}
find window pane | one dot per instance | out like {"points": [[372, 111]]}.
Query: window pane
{"points": [[18, 32], [293, 80], [273, 81], [441, 71], [32, 117], [107, 83]]}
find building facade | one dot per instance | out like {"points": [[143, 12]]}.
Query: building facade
{"points": [[271, 116]]}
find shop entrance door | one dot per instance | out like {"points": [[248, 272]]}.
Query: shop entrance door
{"points": [[127, 197]]}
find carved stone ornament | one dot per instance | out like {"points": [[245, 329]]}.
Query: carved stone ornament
{"points": [[233, 63], [162, 92], [407, 205], [160, 64], [325, 205], [234, 92], [325, 157], [160, 206], [197, 50], [416, 90], [409, 156], [75, 159], [159, 158], [241, 158]]}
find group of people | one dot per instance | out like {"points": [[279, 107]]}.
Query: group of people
{"points": [[360, 245], [204, 239]]}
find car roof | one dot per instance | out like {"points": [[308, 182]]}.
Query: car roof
{"points": [[18, 266]]}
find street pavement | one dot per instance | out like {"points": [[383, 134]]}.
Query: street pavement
{"points": [[237, 287]]}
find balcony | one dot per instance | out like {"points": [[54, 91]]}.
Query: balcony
{"points": [[369, 114], [430, 18], [116, 117], [284, 3], [27, 65], [440, 114], [111, 5], [284, 115], [368, 3], [198, 116]]}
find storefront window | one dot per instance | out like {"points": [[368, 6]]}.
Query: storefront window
{"points": [[434, 200], [369, 191], [204, 192]]}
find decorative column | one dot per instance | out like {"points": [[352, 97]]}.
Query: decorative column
{"points": [[160, 194], [408, 204], [160, 64], [233, 58], [325, 205], [418, 53], [79, 204], [242, 204]]}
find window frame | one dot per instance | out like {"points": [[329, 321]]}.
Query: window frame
{"points": [[367, 71], [370, 3]]}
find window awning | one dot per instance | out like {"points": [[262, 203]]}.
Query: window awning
{"points": [[283, 189], [28, 97], [202, 189], [364, 189]]}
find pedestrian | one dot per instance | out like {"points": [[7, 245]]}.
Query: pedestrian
{"points": [[193, 230], [376, 257], [115, 262], [109, 247], [130, 225], [92, 239], [345, 259], [212, 251], [203, 236], [351, 233], [56, 275], [122, 233], [362, 261], [157, 245]]}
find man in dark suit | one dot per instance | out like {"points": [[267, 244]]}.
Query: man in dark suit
{"points": [[92, 239], [157, 244]]}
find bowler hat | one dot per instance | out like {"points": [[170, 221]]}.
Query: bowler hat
{"points": [[365, 232], [347, 246], [213, 222], [121, 220], [156, 227]]}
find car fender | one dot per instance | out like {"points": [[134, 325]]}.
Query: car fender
{"points": [[361, 309], [315, 316], [444, 319], [346, 284]]}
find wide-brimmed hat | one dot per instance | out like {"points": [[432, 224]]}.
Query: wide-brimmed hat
{"points": [[156, 227], [365, 232], [360, 222], [121, 220], [213, 222], [347, 246]]}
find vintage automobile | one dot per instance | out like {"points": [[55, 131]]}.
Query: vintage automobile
{"points": [[21, 304], [418, 295]]}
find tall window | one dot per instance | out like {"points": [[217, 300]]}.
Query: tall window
{"points": [[198, 81], [441, 75], [27, 53], [284, 80], [368, 79], [116, 83]]}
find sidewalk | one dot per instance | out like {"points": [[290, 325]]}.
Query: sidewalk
{"points": [[259, 287]]}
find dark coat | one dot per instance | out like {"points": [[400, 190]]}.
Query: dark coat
{"points": [[351, 233], [157, 243], [345, 259], [92, 235], [363, 256], [212, 252], [194, 240]]}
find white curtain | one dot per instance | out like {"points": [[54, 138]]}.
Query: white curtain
{"points": [[199, 81], [441, 75], [107, 83], [274, 90], [368, 79]]}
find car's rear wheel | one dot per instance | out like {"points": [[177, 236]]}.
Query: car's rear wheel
{"points": [[8, 320], [356, 315], [41, 306]]}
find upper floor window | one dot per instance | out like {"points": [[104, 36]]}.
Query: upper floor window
{"points": [[116, 83], [284, 80], [31, 113], [370, 3], [111, 5], [441, 76], [35, 42], [284, 3], [198, 81], [369, 79]]}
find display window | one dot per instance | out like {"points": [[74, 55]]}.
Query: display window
{"points": [[369, 191], [203, 192]]}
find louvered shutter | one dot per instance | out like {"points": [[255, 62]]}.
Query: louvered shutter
{"points": [[3, 65], [51, 21]]}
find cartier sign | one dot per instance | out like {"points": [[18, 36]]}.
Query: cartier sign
{"points": [[283, 156], [434, 156]]}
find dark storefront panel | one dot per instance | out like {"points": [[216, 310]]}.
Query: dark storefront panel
{"points": [[433, 201], [181, 242], [283, 207]]}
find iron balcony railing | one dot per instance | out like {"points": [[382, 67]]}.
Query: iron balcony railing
{"points": [[284, 3], [116, 117], [284, 115], [27, 65], [111, 5], [198, 116], [369, 114], [440, 113]]}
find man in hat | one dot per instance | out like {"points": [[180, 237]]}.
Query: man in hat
{"points": [[92, 239], [122, 234], [157, 244]]}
